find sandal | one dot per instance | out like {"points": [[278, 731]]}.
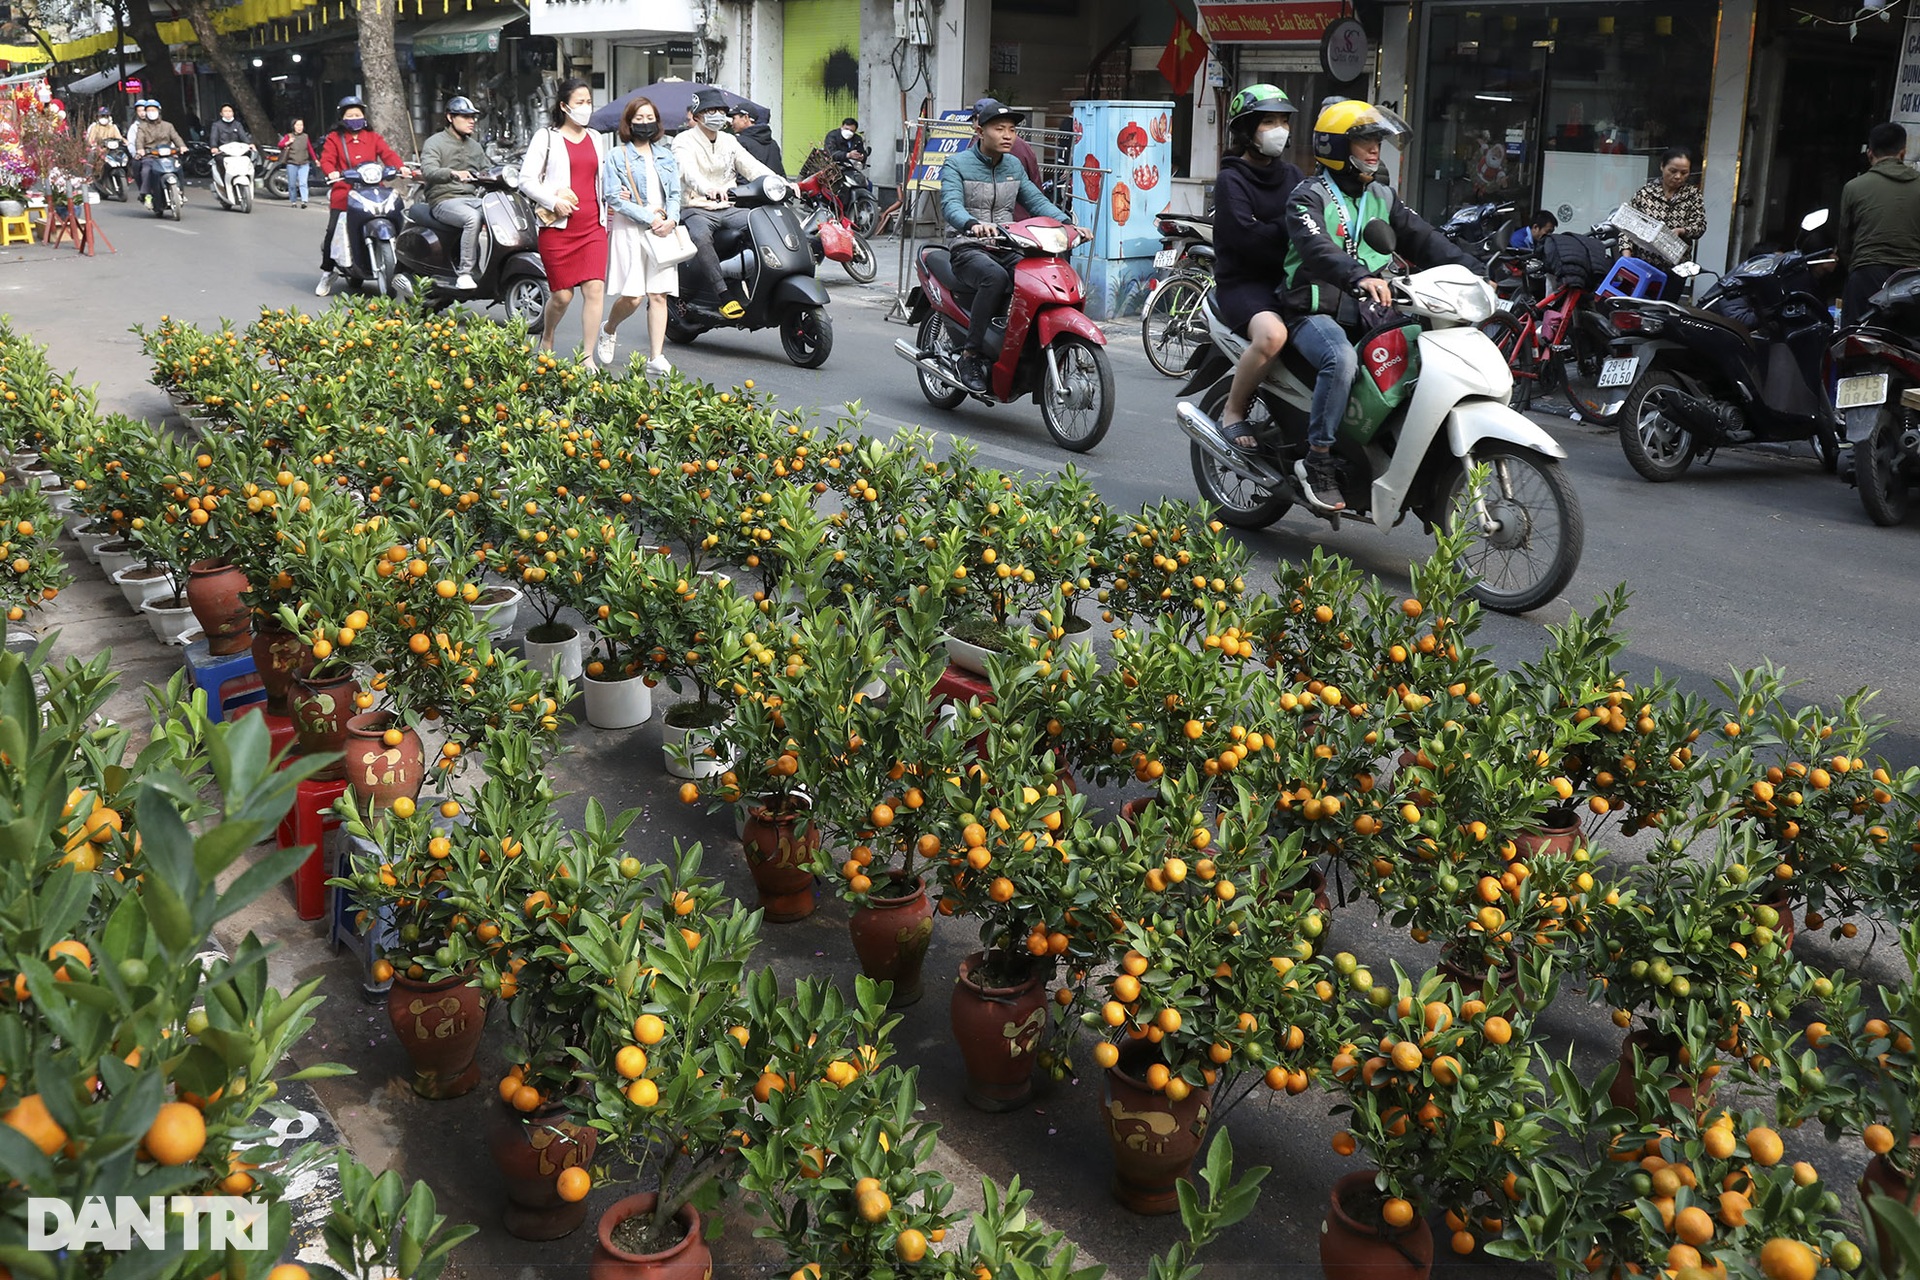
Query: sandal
{"points": [[1240, 436]]}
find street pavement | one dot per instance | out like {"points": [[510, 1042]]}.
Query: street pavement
{"points": [[1757, 557]]}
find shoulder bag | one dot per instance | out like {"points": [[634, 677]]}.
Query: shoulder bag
{"points": [[669, 250]]}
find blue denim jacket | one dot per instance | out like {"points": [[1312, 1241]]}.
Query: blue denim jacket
{"points": [[625, 164]]}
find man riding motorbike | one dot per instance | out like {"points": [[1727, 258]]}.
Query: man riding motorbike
{"points": [[153, 132], [978, 191], [1335, 279], [711, 161], [102, 131], [448, 164], [226, 129]]}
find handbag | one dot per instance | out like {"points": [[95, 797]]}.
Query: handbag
{"points": [[544, 216], [669, 250]]}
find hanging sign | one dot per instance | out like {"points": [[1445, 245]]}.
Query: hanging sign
{"points": [[1906, 80], [1270, 22], [1343, 50]]}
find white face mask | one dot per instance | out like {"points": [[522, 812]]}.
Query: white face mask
{"points": [[580, 114], [847, 134], [1273, 142], [714, 120]]}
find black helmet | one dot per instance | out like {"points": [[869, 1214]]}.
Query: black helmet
{"points": [[351, 100], [462, 106]]}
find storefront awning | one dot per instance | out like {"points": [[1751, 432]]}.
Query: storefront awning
{"points": [[477, 32], [101, 81]]}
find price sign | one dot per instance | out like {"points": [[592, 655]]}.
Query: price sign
{"points": [[944, 140]]}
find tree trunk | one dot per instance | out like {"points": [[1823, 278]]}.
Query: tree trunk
{"points": [[161, 84], [380, 68], [245, 102]]}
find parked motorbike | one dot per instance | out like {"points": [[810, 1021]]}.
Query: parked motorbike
{"points": [[1746, 365], [1429, 403], [830, 228], [1045, 346], [1482, 229], [168, 199], [273, 172], [768, 272], [1170, 322], [113, 170], [1878, 396], [233, 176], [370, 227], [858, 198], [198, 160], [507, 268]]}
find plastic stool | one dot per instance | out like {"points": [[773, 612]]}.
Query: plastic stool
{"points": [[214, 674], [16, 230], [280, 731], [307, 824], [1633, 278], [958, 684]]}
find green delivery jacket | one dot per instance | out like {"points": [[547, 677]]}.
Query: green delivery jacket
{"points": [[1326, 259]]}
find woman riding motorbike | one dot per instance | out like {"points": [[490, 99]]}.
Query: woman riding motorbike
{"points": [[351, 144]]}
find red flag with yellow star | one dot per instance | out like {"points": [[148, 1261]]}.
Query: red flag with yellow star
{"points": [[1185, 54]]}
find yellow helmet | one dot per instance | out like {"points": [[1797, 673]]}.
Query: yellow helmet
{"points": [[1339, 123]]}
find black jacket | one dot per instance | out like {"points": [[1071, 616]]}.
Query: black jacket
{"points": [[225, 131], [758, 140], [837, 147], [1249, 220]]}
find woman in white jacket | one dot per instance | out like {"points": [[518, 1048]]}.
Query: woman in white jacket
{"points": [[561, 174]]}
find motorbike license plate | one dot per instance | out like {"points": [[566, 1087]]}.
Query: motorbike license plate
{"points": [[1166, 258], [1860, 392], [1619, 371]]}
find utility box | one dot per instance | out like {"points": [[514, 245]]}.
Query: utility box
{"points": [[1122, 177]]}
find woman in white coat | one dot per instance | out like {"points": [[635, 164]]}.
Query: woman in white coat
{"points": [[641, 185], [561, 174]]}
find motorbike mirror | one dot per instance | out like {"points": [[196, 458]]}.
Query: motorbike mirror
{"points": [[1814, 221], [1378, 235]]}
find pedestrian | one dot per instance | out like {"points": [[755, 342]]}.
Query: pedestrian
{"points": [[1675, 204], [448, 165], [296, 152], [1879, 228], [641, 184], [561, 174], [351, 144], [711, 160], [1538, 228], [756, 136]]}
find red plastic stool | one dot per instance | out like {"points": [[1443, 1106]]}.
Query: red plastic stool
{"points": [[957, 685], [307, 824], [280, 730]]}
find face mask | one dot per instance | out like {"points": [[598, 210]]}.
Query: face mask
{"points": [[644, 130], [847, 134], [714, 120], [353, 126], [1273, 142]]}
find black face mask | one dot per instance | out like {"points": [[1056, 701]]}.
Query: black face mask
{"points": [[644, 130]]}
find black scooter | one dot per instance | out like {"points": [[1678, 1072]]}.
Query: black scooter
{"points": [[370, 227], [768, 272], [113, 170], [1482, 229], [1878, 395], [507, 268], [1747, 365]]}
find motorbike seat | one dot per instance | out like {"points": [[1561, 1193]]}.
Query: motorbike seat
{"points": [[939, 264], [422, 212]]}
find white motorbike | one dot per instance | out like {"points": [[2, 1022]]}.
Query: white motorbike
{"points": [[1429, 402], [233, 175]]}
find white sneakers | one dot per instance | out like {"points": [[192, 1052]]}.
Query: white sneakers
{"points": [[325, 286], [603, 349], [658, 367], [465, 282]]}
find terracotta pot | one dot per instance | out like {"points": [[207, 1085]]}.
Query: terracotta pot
{"points": [[276, 656], [1130, 811], [891, 935], [320, 714], [1886, 1180], [1783, 903], [214, 588], [439, 1025], [530, 1151], [999, 1030], [1154, 1140], [688, 1260], [1651, 1044], [1354, 1248], [380, 774], [1559, 833], [1471, 978], [781, 861]]}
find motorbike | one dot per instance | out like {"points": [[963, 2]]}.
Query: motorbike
{"points": [[767, 270], [1429, 405], [1182, 273], [507, 265], [273, 173], [830, 228], [1877, 394], [370, 227], [168, 198], [198, 160], [1482, 229], [1746, 365], [1045, 346], [113, 170], [857, 197], [233, 176]]}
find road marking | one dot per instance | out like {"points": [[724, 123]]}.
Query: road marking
{"points": [[179, 231]]}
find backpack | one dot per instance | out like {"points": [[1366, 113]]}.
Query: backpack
{"points": [[1576, 260]]}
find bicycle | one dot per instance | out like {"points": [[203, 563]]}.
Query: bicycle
{"points": [[1174, 322], [1537, 329]]}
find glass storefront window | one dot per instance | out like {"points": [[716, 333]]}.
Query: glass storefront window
{"points": [[1558, 106]]}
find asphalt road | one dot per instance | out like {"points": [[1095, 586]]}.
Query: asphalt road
{"points": [[1758, 557]]}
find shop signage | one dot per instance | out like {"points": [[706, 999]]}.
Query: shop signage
{"points": [[943, 141], [1343, 50], [1906, 80], [1271, 22]]}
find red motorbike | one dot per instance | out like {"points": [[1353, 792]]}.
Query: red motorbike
{"points": [[1044, 346], [830, 229]]}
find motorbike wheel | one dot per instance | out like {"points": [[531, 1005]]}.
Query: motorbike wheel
{"points": [[527, 299], [864, 267], [1657, 447], [679, 332], [806, 335], [936, 339], [1171, 326], [1583, 384], [1521, 353], [1877, 469], [243, 199], [1076, 393], [1532, 556], [1236, 499], [277, 183], [380, 252], [173, 207], [864, 212], [1826, 447]]}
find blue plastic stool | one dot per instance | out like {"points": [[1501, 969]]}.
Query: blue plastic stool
{"points": [[1633, 278], [214, 674]]}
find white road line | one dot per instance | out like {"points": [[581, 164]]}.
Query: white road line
{"points": [[179, 231]]}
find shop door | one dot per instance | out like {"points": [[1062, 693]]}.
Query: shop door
{"points": [[1479, 138]]}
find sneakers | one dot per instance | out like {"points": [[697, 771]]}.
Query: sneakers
{"points": [[973, 373], [465, 282], [603, 349], [1320, 482], [325, 286], [658, 367]]}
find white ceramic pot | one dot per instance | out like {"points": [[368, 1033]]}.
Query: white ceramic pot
{"points": [[91, 542], [968, 656], [172, 626], [60, 499], [21, 461], [688, 751], [562, 657], [39, 478], [138, 591], [617, 704], [12, 208], [498, 617], [114, 555]]}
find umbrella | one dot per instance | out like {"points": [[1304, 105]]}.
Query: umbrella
{"points": [[670, 98]]}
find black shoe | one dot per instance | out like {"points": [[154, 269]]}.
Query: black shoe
{"points": [[973, 374], [1320, 482]]}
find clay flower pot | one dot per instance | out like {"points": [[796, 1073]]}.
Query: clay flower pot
{"points": [[1154, 1139], [321, 710], [214, 588], [781, 860], [530, 1151], [690, 1259], [1356, 1245], [380, 772], [1886, 1180], [1624, 1091], [277, 653], [999, 1030], [439, 1025], [891, 934], [1558, 833]]}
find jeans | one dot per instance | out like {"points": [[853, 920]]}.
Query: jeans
{"points": [[463, 212], [142, 168], [980, 269], [704, 265], [1328, 348], [297, 183]]}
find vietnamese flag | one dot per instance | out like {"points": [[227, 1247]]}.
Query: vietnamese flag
{"points": [[1185, 54]]}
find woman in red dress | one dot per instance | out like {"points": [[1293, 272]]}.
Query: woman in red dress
{"points": [[561, 174]]}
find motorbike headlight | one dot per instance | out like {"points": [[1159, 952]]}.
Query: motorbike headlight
{"points": [[511, 175], [1476, 302], [372, 172], [1051, 239], [776, 188]]}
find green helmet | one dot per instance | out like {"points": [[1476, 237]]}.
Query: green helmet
{"points": [[1254, 101]]}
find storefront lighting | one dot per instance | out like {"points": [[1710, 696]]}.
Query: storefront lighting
{"points": [[259, 63], [280, 77], [1493, 97], [1663, 25], [296, 57]]}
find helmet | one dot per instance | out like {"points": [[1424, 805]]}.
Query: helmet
{"points": [[1254, 101], [351, 100], [1342, 122], [461, 106]]}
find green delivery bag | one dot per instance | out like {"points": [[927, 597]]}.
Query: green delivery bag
{"points": [[1389, 368]]}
